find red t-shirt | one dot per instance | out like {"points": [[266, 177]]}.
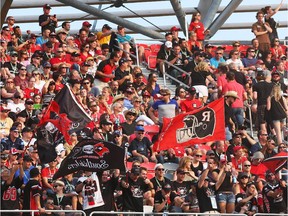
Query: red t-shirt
{"points": [[190, 105], [259, 170], [239, 163], [48, 173], [29, 93], [198, 28], [234, 86], [106, 68]]}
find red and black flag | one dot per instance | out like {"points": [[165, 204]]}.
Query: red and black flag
{"points": [[92, 155], [63, 116], [199, 126]]}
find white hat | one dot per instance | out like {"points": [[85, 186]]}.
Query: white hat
{"points": [[231, 94], [168, 44]]}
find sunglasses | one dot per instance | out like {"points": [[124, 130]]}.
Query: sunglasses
{"points": [[160, 169], [264, 134], [60, 51], [244, 177], [93, 105], [9, 82], [24, 69], [236, 46], [247, 165], [219, 53], [198, 155], [253, 51], [236, 54], [181, 173], [47, 67]]}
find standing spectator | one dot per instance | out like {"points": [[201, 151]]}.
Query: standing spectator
{"points": [[268, 60], [10, 22], [5, 121], [269, 12], [191, 102], [33, 193], [47, 21], [261, 30], [104, 35], [9, 186], [261, 90], [106, 70], [159, 180], [238, 105], [65, 27], [274, 191], [25, 167], [197, 26], [166, 107], [133, 188], [278, 110]]}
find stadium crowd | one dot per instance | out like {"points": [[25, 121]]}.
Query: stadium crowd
{"points": [[225, 176]]}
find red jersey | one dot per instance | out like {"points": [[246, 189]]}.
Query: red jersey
{"points": [[106, 68], [29, 93], [190, 105]]}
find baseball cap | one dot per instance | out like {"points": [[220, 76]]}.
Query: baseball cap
{"points": [[237, 148], [122, 60], [87, 24], [174, 28], [120, 27], [135, 170], [139, 128], [14, 128], [199, 53], [209, 45], [192, 90], [258, 155], [85, 64], [167, 187], [209, 152], [157, 166], [242, 174], [106, 26], [106, 122], [168, 44], [14, 54], [2, 108], [47, 6], [75, 54], [47, 64], [29, 101], [33, 36]]}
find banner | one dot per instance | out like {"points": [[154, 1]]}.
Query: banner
{"points": [[92, 155], [199, 126]]}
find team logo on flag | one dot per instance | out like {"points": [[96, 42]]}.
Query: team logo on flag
{"points": [[199, 125]]}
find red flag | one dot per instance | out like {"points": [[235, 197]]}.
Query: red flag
{"points": [[61, 122], [199, 126]]}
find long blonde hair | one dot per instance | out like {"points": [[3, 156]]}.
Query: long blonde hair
{"points": [[183, 161], [202, 66], [276, 92]]}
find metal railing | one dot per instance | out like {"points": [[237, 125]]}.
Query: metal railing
{"points": [[171, 77], [37, 211], [164, 213]]}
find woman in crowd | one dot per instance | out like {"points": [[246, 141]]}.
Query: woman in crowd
{"points": [[236, 60], [37, 101], [95, 48], [92, 91], [276, 49], [199, 76], [152, 86], [84, 52], [180, 94], [58, 81], [268, 60], [197, 165], [185, 164], [38, 82], [277, 107], [193, 43], [9, 89], [117, 115], [197, 26], [48, 91]]}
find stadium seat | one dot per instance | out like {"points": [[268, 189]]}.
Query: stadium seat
{"points": [[155, 47]]}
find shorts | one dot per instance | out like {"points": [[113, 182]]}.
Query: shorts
{"points": [[202, 89], [261, 114], [225, 197]]}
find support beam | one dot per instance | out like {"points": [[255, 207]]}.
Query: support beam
{"points": [[203, 7], [221, 19], [207, 20], [180, 14], [114, 19], [5, 6]]}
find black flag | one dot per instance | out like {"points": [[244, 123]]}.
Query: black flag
{"points": [[92, 155], [75, 112]]}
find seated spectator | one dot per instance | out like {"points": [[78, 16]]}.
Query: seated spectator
{"points": [[44, 38], [218, 58], [234, 58], [257, 168], [47, 174], [268, 60], [191, 102], [238, 159], [249, 62], [13, 141], [162, 55], [185, 49]]}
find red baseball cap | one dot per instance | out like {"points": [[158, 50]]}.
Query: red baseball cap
{"points": [[87, 24], [174, 28], [237, 148]]}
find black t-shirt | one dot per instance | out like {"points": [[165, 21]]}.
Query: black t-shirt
{"points": [[179, 62], [133, 195], [204, 200], [159, 198], [9, 196], [199, 78], [128, 129], [120, 75], [13, 68], [197, 170], [228, 114], [251, 204], [62, 201], [31, 190], [142, 147], [263, 90], [157, 184], [240, 78], [277, 204], [226, 184], [181, 189], [51, 25], [163, 54]]}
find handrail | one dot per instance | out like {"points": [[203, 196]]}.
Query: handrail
{"points": [[34, 211], [171, 77]]}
